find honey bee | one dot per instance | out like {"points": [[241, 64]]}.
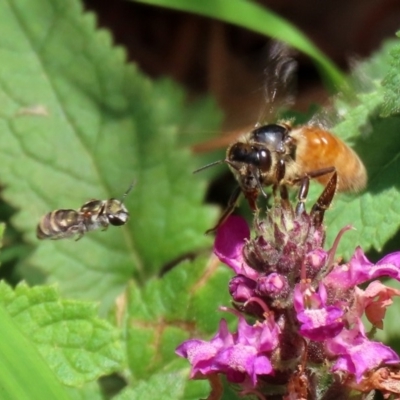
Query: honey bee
{"points": [[280, 155], [93, 215]]}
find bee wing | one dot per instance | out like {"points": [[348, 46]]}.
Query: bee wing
{"points": [[280, 80], [325, 118], [279, 89]]}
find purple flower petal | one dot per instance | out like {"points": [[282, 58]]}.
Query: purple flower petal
{"points": [[241, 288], [262, 336], [240, 361], [318, 321], [393, 258], [357, 354], [228, 245], [273, 285], [321, 324], [360, 270], [201, 353]]}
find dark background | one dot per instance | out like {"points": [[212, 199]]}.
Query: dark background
{"points": [[208, 56]]}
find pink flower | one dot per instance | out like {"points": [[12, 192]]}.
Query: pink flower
{"points": [[307, 311], [319, 321], [374, 301], [201, 354], [229, 243], [356, 354], [242, 356], [359, 270]]}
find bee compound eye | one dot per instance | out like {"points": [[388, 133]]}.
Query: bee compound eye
{"points": [[240, 153], [264, 160], [118, 220]]}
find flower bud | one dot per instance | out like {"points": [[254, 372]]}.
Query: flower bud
{"points": [[241, 288], [273, 285]]}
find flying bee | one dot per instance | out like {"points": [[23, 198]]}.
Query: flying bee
{"points": [[280, 155], [93, 215]]}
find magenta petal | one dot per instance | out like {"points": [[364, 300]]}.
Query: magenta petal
{"points": [[262, 366], [344, 363], [393, 258], [236, 359], [366, 357], [263, 337], [231, 237], [321, 324], [241, 288], [223, 336], [200, 354], [360, 270], [357, 354]]}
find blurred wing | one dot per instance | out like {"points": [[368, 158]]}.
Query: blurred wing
{"points": [[280, 80], [279, 92], [327, 116]]}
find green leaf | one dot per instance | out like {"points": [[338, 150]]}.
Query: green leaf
{"points": [[255, 17], [166, 386], [391, 83], [23, 373], [2, 229], [167, 311], [89, 391], [373, 213], [78, 123], [77, 345]]}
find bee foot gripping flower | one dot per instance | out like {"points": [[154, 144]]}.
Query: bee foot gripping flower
{"points": [[300, 333]]}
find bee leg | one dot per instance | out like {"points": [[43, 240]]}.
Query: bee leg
{"points": [[305, 185], [274, 190], [80, 235], [81, 231], [315, 174], [228, 210], [285, 202], [324, 200], [263, 192], [104, 224], [279, 176], [252, 198], [280, 170], [302, 195]]}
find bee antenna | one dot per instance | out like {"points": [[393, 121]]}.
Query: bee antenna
{"points": [[209, 165], [128, 190]]}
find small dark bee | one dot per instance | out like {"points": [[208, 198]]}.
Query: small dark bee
{"points": [[93, 215]]}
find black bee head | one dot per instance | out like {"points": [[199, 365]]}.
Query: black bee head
{"points": [[116, 212], [258, 156]]}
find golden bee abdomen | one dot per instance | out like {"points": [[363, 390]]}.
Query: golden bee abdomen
{"points": [[57, 224], [318, 149]]}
